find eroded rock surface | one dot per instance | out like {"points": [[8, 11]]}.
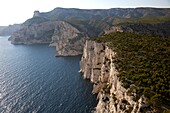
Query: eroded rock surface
{"points": [[97, 66], [67, 39]]}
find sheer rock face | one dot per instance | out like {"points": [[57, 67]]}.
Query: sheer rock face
{"points": [[97, 65], [34, 34], [68, 40]]}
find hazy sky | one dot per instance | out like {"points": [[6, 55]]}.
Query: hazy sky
{"points": [[17, 11]]}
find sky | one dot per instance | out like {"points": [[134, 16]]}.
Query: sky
{"points": [[18, 11]]}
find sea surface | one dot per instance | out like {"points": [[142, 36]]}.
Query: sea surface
{"points": [[33, 80]]}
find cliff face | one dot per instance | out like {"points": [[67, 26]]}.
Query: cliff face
{"points": [[67, 29], [97, 65], [68, 40], [34, 34]]}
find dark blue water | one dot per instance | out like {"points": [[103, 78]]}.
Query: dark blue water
{"points": [[33, 80]]}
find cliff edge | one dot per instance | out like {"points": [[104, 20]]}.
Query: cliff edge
{"points": [[130, 74], [97, 65], [67, 39]]}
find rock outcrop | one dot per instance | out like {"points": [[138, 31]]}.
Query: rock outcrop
{"points": [[34, 34], [68, 40], [97, 66], [36, 14], [67, 29]]}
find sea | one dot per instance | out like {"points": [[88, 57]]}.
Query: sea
{"points": [[33, 80]]}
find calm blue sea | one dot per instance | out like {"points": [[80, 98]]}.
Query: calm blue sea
{"points": [[33, 80]]}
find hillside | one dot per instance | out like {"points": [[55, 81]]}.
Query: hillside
{"points": [[91, 23], [129, 62], [158, 28], [143, 61]]}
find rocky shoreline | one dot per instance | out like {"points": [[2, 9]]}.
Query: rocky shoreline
{"points": [[67, 39], [69, 34], [97, 65]]}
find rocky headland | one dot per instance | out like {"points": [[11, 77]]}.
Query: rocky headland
{"points": [[67, 39], [67, 29], [124, 73], [122, 87], [34, 34], [97, 65]]}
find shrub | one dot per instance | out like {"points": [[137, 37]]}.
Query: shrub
{"points": [[142, 60]]}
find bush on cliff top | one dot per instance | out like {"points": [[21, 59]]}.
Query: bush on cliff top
{"points": [[143, 60]]}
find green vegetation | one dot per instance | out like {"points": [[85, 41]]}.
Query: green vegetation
{"points": [[158, 26], [35, 20], [122, 21], [144, 61], [93, 27]]}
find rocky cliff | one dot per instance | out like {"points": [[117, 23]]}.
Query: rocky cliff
{"points": [[67, 29], [93, 22], [97, 65], [67, 39], [34, 34]]}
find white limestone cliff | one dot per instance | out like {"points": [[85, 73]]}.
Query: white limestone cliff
{"points": [[97, 65]]}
